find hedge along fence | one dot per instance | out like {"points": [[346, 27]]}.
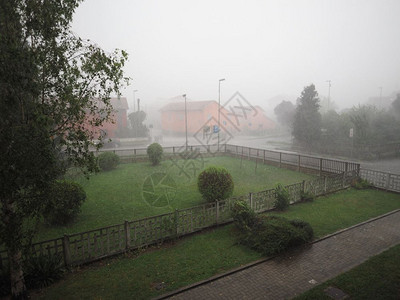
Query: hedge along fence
{"points": [[298, 162], [95, 244]]}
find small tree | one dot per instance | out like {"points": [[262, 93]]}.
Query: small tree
{"points": [[136, 120], [307, 119], [155, 152], [215, 183]]}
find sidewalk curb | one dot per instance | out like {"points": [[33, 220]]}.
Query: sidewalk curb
{"points": [[257, 262]]}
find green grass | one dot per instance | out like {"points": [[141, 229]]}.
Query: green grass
{"points": [[203, 255], [377, 278], [115, 196], [343, 209]]}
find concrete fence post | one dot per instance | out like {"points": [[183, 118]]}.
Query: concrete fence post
{"points": [[176, 221], [344, 180], [127, 235], [320, 167], [298, 163], [280, 159], [217, 212], [66, 250], [325, 183], [387, 181], [251, 200]]}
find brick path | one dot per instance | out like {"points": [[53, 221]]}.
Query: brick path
{"points": [[290, 274]]}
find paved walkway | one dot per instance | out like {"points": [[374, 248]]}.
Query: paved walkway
{"points": [[291, 274]]}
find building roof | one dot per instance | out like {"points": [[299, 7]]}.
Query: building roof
{"points": [[190, 105], [119, 103]]}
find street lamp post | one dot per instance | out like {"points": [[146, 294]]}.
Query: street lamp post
{"points": [[134, 100], [184, 96], [219, 107], [329, 92]]}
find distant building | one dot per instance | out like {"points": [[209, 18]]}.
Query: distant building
{"points": [[200, 115], [119, 118], [203, 116], [253, 120]]}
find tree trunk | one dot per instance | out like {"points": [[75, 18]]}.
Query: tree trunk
{"points": [[18, 288], [14, 252]]}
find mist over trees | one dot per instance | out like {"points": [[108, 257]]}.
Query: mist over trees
{"points": [[55, 88], [396, 106], [284, 112], [363, 131]]}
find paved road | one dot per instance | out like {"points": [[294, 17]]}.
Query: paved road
{"points": [[295, 272]]}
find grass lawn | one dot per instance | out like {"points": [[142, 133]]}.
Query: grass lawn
{"points": [[377, 278], [203, 255], [115, 196]]}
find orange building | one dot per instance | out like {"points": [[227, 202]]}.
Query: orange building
{"points": [[200, 116]]}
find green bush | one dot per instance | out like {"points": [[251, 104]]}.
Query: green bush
{"points": [[282, 198], [244, 217], [278, 234], [43, 270], [274, 237], [108, 161], [269, 235], [360, 184], [306, 231], [64, 202], [307, 197], [155, 152], [215, 183]]}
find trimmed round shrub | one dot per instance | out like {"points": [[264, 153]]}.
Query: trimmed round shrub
{"points": [[108, 161], [155, 152], [282, 198], [64, 202], [215, 183]]}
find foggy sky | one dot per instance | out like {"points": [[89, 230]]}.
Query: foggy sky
{"points": [[262, 48]]}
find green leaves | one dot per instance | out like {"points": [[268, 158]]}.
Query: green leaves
{"points": [[55, 92]]}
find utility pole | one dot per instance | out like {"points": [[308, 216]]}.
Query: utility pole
{"points": [[219, 107]]}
